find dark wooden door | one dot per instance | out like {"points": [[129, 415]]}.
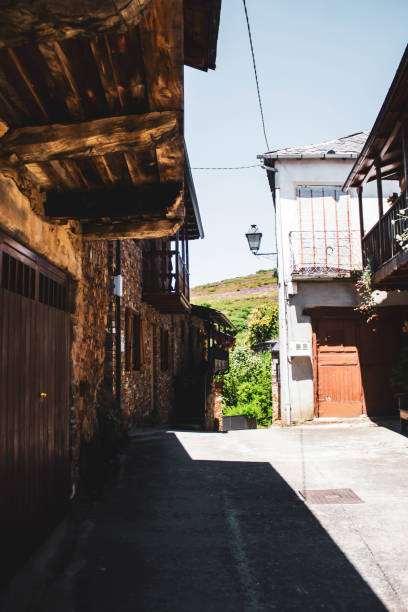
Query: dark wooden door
{"points": [[339, 385], [380, 345], [34, 400]]}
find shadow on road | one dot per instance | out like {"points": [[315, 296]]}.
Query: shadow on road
{"points": [[182, 535]]}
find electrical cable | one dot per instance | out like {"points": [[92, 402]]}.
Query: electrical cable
{"points": [[228, 168], [256, 74]]}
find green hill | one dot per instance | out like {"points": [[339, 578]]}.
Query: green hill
{"points": [[236, 297]]}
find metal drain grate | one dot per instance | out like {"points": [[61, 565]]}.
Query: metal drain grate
{"points": [[330, 496]]}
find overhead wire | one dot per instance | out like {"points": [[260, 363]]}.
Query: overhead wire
{"points": [[260, 107], [256, 74], [228, 167]]}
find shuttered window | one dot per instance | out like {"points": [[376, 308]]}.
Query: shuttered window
{"points": [[164, 349], [31, 276], [134, 341], [325, 238], [18, 277]]}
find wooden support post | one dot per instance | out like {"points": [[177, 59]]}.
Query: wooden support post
{"points": [[177, 287], [187, 272], [380, 212], [404, 158], [360, 209], [379, 193]]}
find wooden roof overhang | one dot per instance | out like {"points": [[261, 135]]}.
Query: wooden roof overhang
{"points": [[383, 148], [92, 105]]}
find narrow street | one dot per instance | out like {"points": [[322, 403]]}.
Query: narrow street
{"points": [[202, 521]]}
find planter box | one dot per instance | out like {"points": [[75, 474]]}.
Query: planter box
{"points": [[237, 421], [402, 403]]}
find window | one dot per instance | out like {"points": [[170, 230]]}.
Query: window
{"points": [[164, 349], [134, 341], [52, 293], [18, 277]]}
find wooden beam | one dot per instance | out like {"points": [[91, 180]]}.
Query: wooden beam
{"points": [[162, 40], [124, 201], [386, 143], [61, 72], [380, 209], [30, 145], [27, 21], [143, 229], [201, 24]]}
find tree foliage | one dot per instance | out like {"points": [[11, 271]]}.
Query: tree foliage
{"points": [[247, 386], [263, 323]]}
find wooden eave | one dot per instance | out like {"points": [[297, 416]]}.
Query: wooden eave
{"points": [[94, 112], [193, 225], [201, 25], [214, 316], [383, 149]]}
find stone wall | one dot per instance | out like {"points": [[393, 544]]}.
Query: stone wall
{"points": [[146, 396]]}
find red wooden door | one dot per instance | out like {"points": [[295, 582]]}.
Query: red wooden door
{"points": [[34, 401], [339, 385]]}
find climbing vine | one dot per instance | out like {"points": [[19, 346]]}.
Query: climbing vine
{"points": [[364, 288]]}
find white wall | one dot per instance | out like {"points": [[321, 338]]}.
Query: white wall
{"points": [[293, 173]]}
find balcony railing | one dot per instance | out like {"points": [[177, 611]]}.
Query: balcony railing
{"points": [[165, 280], [380, 244], [325, 254]]}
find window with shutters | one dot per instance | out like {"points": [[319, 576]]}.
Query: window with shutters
{"points": [[134, 341], [327, 239]]}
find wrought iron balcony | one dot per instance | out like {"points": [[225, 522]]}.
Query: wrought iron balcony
{"points": [[325, 254], [166, 281]]}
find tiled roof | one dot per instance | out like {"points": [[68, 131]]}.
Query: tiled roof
{"points": [[348, 146]]}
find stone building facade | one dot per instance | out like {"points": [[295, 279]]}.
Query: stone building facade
{"points": [[93, 164], [127, 363]]}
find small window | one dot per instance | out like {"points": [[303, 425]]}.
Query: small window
{"points": [[52, 293], [134, 341], [18, 277], [164, 349]]}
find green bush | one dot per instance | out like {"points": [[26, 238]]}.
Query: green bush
{"points": [[247, 386], [263, 323], [399, 373]]}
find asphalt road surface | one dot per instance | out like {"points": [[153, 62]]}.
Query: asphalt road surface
{"points": [[214, 522]]}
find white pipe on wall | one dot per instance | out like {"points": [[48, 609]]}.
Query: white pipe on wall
{"points": [[282, 303]]}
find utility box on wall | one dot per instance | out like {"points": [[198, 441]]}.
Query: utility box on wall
{"points": [[300, 349]]}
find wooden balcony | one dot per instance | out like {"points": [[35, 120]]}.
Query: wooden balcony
{"points": [[166, 281], [382, 250]]}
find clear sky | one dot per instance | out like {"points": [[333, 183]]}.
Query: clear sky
{"points": [[324, 68]]}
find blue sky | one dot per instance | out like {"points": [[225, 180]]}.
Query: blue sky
{"points": [[324, 68]]}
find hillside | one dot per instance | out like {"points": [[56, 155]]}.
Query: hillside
{"points": [[236, 297]]}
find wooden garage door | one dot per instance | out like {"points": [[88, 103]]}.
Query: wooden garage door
{"points": [[34, 400], [339, 386]]}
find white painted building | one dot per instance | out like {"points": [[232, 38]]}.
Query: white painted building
{"points": [[324, 349]]}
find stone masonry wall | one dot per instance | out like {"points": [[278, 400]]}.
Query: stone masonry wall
{"points": [[147, 395], [85, 263]]}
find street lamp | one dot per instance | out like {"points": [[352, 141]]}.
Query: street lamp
{"points": [[254, 237]]}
